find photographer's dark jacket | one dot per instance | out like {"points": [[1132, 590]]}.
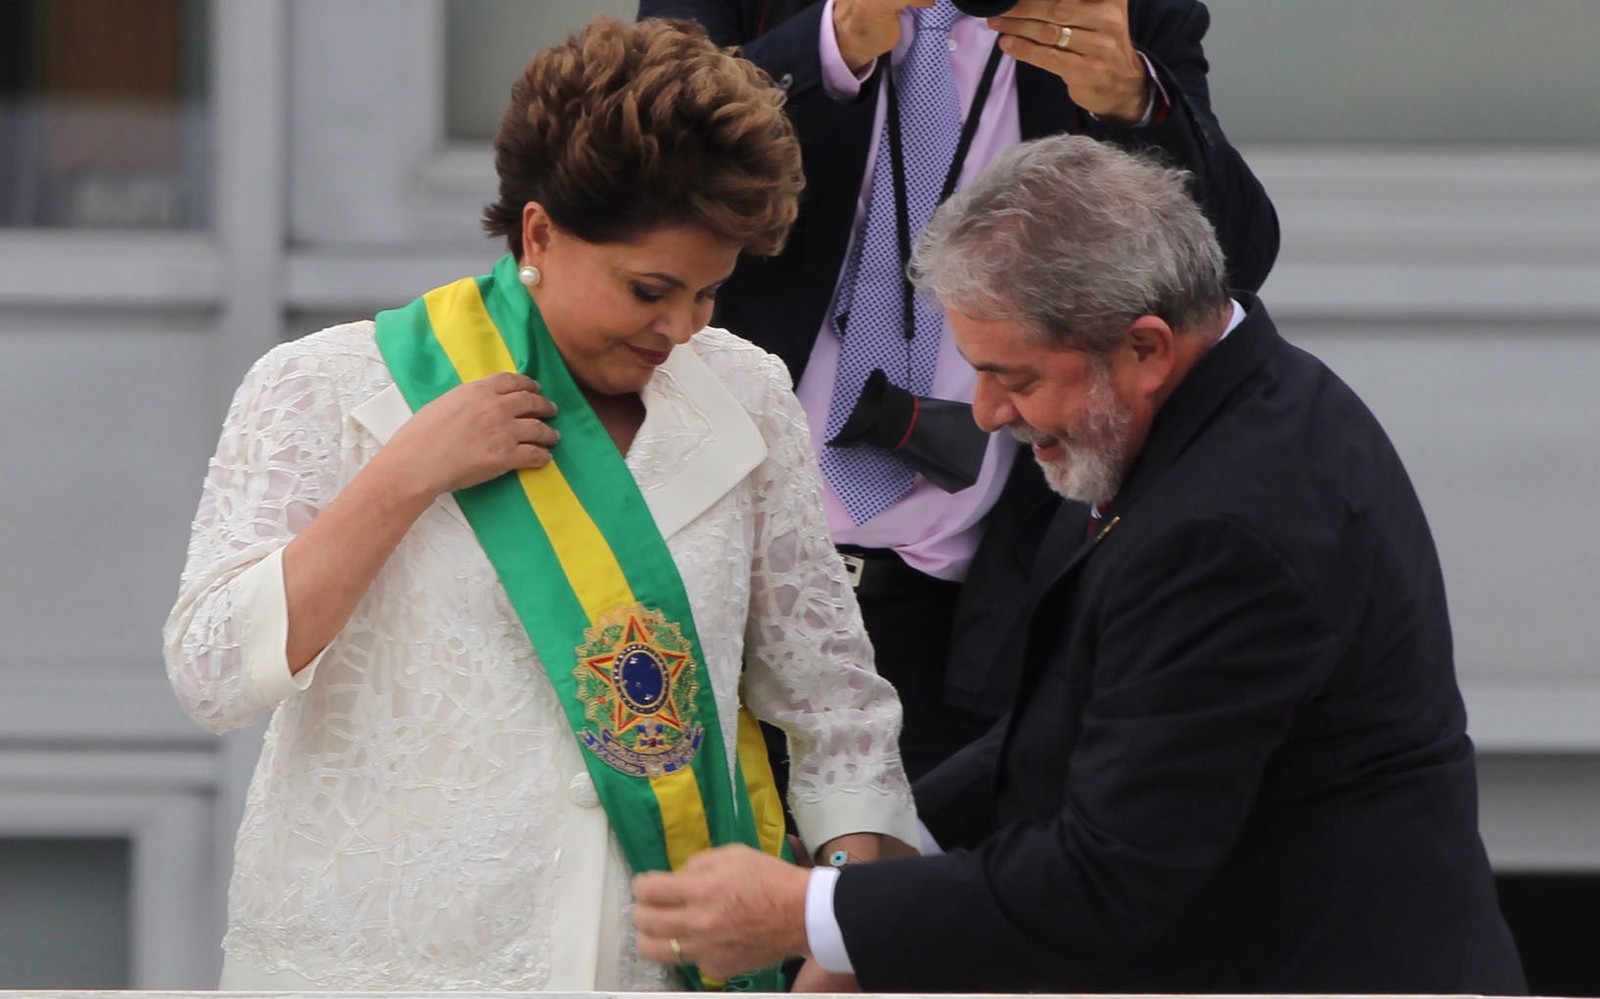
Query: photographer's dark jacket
{"points": [[780, 302]]}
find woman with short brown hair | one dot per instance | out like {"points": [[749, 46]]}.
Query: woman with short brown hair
{"points": [[516, 567], [631, 128]]}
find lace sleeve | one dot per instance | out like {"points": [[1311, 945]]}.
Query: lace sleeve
{"points": [[276, 465], [809, 662]]}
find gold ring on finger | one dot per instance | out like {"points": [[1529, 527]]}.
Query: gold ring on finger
{"points": [[677, 949]]}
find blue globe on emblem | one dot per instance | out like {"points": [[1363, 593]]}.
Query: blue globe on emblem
{"points": [[641, 679]]}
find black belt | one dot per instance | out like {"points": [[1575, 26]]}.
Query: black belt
{"points": [[879, 572]]}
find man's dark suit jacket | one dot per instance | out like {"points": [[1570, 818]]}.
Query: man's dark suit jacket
{"points": [[1239, 762], [779, 302]]}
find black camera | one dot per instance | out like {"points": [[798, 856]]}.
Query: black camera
{"points": [[984, 8], [936, 437]]}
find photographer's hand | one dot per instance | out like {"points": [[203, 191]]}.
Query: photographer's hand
{"points": [[1089, 45], [866, 29]]}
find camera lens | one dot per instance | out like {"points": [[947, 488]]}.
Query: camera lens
{"points": [[984, 8]]}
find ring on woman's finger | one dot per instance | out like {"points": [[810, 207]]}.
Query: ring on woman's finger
{"points": [[677, 949], [1063, 36]]}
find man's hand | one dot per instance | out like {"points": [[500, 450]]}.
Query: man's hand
{"points": [[730, 910], [1088, 44], [866, 29]]}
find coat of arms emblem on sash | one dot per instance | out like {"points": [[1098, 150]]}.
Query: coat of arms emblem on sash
{"points": [[637, 679]]}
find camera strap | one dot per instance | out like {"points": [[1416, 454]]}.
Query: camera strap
{"points": [[902, 212]]}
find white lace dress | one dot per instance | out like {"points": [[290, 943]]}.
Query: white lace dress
{"points": [[421, 817]]}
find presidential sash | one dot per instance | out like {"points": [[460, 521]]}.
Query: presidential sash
{"points": [[591, 579]]}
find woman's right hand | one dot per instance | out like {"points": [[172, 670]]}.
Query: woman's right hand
{"points": [[473, 433]]}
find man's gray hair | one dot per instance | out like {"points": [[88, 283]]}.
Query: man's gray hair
{"points": [[1074, 239]]}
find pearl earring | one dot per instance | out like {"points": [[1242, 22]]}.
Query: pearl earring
{"points": [[528, 275]]}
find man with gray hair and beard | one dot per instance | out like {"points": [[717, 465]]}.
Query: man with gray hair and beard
{"points": [[1239, 761]]}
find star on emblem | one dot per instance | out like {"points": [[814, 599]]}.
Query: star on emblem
{"points": [[644, 674]]}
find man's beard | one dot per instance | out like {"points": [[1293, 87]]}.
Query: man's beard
{"points": [[1095, 452]]}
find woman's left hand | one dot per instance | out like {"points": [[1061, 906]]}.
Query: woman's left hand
{"points": [[1087, 43]]}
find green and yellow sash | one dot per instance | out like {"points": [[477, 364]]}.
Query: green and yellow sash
{"points": [[592, 581]]}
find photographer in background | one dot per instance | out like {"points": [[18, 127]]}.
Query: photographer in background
{"points": [[835, 306]]}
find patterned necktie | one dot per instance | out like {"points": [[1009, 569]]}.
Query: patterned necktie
{"points": [[870, 480]]}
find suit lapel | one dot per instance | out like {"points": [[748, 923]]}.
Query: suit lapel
{"points": [[699, 437], [1062, 544], [1065, 549]]}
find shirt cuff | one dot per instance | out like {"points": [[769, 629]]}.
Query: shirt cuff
{"points": [[856, 809], [263, 613], [840, 83], [930, 846], [823, 936], [1159, 105]]}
